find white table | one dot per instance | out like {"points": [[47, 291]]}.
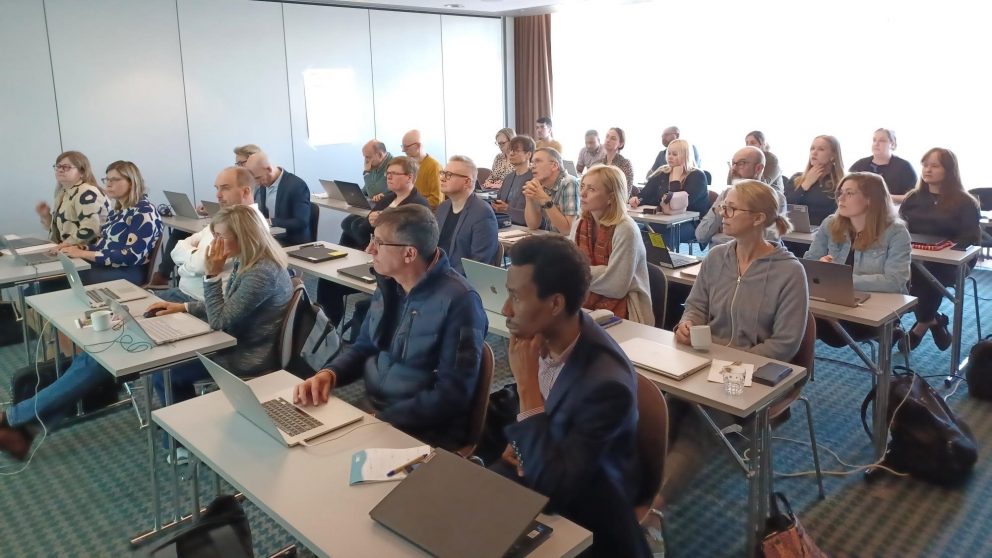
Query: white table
{"points": [[191, 226], [329, 270], [674, 221], [338, 205], [306, 489]]}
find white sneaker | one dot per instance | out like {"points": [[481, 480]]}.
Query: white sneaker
{"points": [[182, 456]]}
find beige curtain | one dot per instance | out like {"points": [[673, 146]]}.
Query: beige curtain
{"points": [[532, 68]]}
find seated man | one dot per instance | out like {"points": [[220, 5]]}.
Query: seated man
{"points": [[575, 437], [552, 195], [467, 224], [283, 198], [425, 330], [510, 198]]}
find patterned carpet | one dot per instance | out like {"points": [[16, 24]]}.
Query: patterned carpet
{"points": [[86, 494]]}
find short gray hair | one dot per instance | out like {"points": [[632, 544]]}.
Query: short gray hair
{"points": [[415, 225], [473, 172], [553, 153], [592, 133]]}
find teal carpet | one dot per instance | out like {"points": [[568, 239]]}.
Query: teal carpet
{"points": [[85, 493]]}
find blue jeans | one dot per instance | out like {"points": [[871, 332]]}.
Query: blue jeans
{"points": [[59, 399], [93, 275], [175, 294], [183, 377]]}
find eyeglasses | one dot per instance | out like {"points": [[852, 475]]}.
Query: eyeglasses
{"points": [[377, 243], [517, 150], [502, 143], [445, 175], [405, 147], [394, 174], [241, 163], [107, 181], [728, 210], [63, 168], [741, 163]]}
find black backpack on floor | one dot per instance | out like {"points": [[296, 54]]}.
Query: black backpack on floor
{"points": [[222, 531], [979, 370]]}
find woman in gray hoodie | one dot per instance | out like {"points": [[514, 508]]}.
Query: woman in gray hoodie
{"points": [[751, 292]]}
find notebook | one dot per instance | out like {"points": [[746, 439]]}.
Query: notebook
{"points": [[361, 272], [663, 359], [317, 253], [375, 464]]}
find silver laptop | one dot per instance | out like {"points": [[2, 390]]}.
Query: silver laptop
{"points": [[569, 167], [97, 297], [333, 193], [33, 258], [278, 416], [210, 207], [161, 330], [799, 216], [489, 281], [659, 254], [832, 283], [663, 359], [181, 205], [353, 194]]}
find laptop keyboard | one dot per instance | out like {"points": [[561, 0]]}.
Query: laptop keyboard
{"points": [[288, 418], [679, 260], [160, 330], [101, 294]]}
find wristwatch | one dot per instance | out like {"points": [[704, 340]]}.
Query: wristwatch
{"points": [[548, 204]]}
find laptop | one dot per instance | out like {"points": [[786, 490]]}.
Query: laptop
{"points": [[353, 194], [927, 239], [275, 412], [161, 330], [97, 297], [332, 190], [181, 205], [489, 281], [361, 272], [317, 253], [659, 254], [26, 242], [449, 506], [663, 359], [33, 258], [211, 207], [799, 216], [569, 167], [832, 282]]}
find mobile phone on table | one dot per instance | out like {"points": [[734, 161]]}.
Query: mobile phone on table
{"points": [[961, 246]]}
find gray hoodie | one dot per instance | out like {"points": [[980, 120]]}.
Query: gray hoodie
{"points": [[763, 312]]}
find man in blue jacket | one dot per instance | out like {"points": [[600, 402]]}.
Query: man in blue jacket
{"points": [[575, 437], [425, 329], [467, 224], [283, 198]]}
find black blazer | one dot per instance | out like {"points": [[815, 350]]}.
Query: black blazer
{"points": [[581, 452], [292, 208]]}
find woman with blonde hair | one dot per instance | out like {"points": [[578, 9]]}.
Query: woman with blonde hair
{"points": [[898, 172], [816, 186], [864, 233], [128, 239], [678, 175], [612, 242], [80, 205], [501, 165]]}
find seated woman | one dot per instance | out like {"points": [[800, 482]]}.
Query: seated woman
{"points": [[251, 310], [501, 165], [815, 187], [864, 233], [129, 237], [612, 242], [898, 173], [613, 145], [938, 206], [80, 205], [401, 174], [679, 175]]}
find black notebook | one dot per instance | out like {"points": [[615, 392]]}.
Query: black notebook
{"points": [[317, 254]]}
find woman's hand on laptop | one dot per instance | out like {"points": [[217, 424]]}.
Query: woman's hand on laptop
{"points": [[682, 333], [316, 390], [163, 308]]}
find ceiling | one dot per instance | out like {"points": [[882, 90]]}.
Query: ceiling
{"points": [[470, 7]]}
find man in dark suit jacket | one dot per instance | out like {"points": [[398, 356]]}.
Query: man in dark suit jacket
{"points": [[575, 437], [467, 224], [291, 207]]}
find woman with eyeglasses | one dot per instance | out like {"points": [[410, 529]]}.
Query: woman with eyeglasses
{"points": [[898, 172], [501, 165], [128, 239], [864, 233], [401, 176], [80, 205], [815, 187], [678, 175]]}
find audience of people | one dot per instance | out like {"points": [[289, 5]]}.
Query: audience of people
{"points": [[748, 164], [677, 175]]}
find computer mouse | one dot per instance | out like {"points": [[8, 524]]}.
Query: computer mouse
{"points": [[153, 313]]}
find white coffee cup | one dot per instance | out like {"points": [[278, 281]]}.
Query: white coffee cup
{"points": [[101, 320], [700, 338]]}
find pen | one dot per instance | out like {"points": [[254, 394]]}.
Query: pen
{"points": [[404, 468]]}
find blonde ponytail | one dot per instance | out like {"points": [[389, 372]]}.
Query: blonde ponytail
{"points": [[782, 225]]}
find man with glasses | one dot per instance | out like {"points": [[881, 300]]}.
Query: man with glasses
{"points": [[593, 153], [282, 197], [428, 180], [510, 198], [467, 224], [748, 164], [552, 195], [425, 330]]}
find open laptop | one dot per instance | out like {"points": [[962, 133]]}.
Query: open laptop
{"points": [[275, 412], [449, 506], [211, 207], [832, 282], [181, 205], [361, 272], [799, 216], [663, 359], [353, 194], [659, 254], [161, 330], [97, 297], [332, 190], [569, 167], [489, 281], [33, 258]]}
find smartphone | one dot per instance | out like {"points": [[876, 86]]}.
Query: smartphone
{"points": [[771, 373], [961, 246]]}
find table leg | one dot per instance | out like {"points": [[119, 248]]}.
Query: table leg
{"points": [[152, 475], [958, 315], [880, 413], [24, 323], [176, 513], [759, 479]]}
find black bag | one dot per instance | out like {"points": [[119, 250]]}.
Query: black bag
{"points": [[315, 341], [25, 380], [10, 327], [222, 531], [504, 405], [927, 440], [503, 220], [357, 319], [978, 373]]}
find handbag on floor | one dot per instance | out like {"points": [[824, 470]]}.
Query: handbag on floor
{"points": [[785, 536], [979, 370], [222, 530]]}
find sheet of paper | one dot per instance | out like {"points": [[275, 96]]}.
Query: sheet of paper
{"points": [[374, 464], [716, 370]]}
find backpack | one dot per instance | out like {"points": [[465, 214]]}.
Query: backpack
{"points": [[978, 372], [927, 440], [315, 341], [222, 530]]}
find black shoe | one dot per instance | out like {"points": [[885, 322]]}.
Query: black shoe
{"points": [[941, 336], [14, 441], [914, 338]]}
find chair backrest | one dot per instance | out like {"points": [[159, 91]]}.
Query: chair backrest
{"points": [[484, 174], [150, 266], [500, 254], [287, 344], [712, 197], [314, 221], [984, 196], [658, 284], [709, 177], [804, 357], [480, 401], [652, 440]]}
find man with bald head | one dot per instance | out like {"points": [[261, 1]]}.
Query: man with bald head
{"points": [[374, 174], [282, 197], [668, 135], [429, 176]]}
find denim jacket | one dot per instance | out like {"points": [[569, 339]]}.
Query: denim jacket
{"points": [[883, 267], [428, 347]]}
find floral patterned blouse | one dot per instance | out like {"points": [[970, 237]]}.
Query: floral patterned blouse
{"points": [[129, 236], [501, 168], [80, 211]]}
